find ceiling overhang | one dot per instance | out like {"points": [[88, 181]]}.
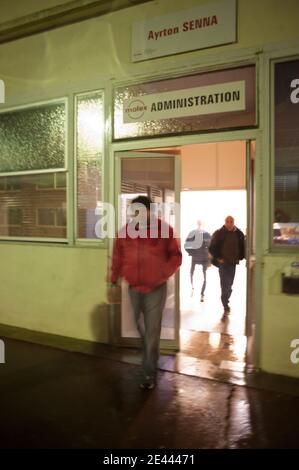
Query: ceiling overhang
{"points": [[62, 15]]}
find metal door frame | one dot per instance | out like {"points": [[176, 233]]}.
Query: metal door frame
{"points": [[225, 136], [167, 345]]}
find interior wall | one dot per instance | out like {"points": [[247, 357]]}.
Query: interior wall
{"points": [[220, 165]]}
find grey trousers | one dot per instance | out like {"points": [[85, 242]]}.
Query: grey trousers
{"points": [[151, 305]]}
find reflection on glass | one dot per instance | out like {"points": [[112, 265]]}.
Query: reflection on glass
{"points": [[89, 149], [32, 138], [32, 206], [153, 177], [191, 123]]}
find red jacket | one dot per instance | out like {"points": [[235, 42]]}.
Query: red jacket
{"points": [[145, 263]]}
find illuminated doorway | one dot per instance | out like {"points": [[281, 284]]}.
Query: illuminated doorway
{"points": [[213, 186], [210, 181]]}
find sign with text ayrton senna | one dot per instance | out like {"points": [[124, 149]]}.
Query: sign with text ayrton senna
{"points": [[200, 27]]}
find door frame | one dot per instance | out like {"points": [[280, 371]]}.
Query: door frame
{"points": [[250, 320], [165, 344], [176, 141]]}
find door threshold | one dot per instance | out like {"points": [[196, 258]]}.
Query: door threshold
{"points": [[226, 371]]}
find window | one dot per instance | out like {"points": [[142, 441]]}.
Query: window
{"points": [[222, 99], [15, 216], [33, 173], [19, 208], [33, 140], [52, 181], [89, 151], [12, 216], [46, 217], [51, 217], [9, 184], [286, 152]]}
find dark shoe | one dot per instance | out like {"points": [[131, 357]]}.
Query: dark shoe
{"points": [[202, 298], [225, 314], [148, 383]]}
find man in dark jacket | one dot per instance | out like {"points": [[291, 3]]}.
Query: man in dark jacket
{"points": [[146, 254], [227, 249], [196, 245]]}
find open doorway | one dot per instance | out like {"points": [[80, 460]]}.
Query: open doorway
{"points": [[210, 181], [213, 186]]}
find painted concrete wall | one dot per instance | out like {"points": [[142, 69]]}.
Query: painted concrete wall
{"points": [[100, 48], [280, 319], [56, 289]]}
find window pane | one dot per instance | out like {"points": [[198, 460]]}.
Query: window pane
{"points": [[31, 207], [15, 216], [206, 101], [46, 217], [60, 217], [90, 125], [46, 181], [286, 183], [33, 138], [60, 180]]}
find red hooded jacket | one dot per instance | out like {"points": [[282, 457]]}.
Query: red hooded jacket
{"points": [[145, 262]]}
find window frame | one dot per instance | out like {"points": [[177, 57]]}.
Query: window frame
{"points": [[78, 240], [273, 60], [65, 169], [55, 225]]}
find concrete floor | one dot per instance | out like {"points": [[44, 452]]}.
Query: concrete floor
{"points": [[56, 399]]}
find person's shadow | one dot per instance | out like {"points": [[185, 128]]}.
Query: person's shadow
{"points": [[100, 327]]}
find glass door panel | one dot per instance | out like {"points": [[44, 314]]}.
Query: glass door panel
{"points": [[152, 175]]}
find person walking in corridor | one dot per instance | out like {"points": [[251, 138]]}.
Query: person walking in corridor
{"points": [[196, 245], [227, 249], [146, 254]]}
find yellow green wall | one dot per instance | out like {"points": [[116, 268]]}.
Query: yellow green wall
{"points": [[280, 319], [57, 289], [14, 9], [97, 49]]}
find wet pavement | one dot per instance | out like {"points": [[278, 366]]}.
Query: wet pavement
{"points": [[56, 399]]}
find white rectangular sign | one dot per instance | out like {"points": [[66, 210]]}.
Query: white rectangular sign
{"points": [[219, 98], [186, 30]]}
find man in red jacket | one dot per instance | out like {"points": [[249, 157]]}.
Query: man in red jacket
{"points": [[146, 254]]}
